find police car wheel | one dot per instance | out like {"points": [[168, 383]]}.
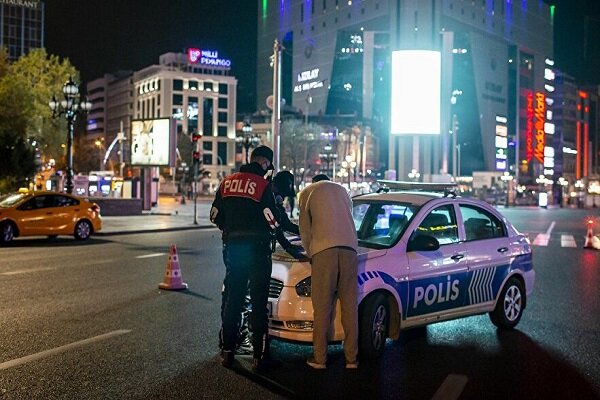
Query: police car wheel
{"points": [[374, 319], [510, 305]]}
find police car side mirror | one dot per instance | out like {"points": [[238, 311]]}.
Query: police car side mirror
{"points": [[423, 243]]}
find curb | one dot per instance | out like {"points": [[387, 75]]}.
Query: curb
{"points": [[141, 231]]}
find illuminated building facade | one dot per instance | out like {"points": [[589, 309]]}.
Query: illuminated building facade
{"points": [[21, 26], [494, 54], [195, 89]]}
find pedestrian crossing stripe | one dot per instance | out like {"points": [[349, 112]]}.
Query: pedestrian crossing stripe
{"points": [[542, 240]]}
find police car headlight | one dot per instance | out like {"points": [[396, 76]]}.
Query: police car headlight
{"points": [[303, 287]]}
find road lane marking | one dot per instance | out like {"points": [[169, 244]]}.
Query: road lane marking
{"points": [[567, 241], [541, 240], [151, 255], [550, 228], [26, 271], [451, 388], [61, 349]]}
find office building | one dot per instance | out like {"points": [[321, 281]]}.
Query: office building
{"points": [[21, 26], [493, 57]]}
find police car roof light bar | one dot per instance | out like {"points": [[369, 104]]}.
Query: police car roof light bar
{"points": [[449, 189]]}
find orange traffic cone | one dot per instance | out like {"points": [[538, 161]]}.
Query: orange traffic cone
{"points": [[591, 241], [173, 279]]}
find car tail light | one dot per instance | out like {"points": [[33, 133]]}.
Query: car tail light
{"points": [[95, 207]]}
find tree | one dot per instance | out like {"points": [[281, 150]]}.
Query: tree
{"points": [[26, 121], [300, 143], [17, 156], [43, 76]]}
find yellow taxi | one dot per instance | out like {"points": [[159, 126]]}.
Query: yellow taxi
{"points": [[47, 214]]}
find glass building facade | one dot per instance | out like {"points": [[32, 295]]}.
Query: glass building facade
{"points": [[21, 26]]}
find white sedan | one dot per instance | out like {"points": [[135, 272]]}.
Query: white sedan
{"points": [[424, 257]]}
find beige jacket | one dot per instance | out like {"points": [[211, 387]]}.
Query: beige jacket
{"points": [[326, 218]]}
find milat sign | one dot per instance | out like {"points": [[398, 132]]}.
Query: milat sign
{"points": [[23, 3], [209, 58]]}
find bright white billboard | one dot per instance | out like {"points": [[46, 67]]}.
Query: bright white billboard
{"points": [[416, 92], [153, 142]]}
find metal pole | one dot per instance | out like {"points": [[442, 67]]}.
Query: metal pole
{"points": [[195, 194], [276, 100], [69, 185], [122, 137]]}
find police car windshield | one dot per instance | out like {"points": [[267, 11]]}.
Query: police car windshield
{"points": [[380, 224]]}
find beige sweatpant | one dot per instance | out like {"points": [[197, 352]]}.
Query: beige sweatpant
{"points": [[335, 268]]}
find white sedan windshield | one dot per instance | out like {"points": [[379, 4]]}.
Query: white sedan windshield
{"points": [[380, 224]]}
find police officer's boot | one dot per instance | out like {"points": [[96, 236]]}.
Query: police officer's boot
{"points": [[263, 362]]}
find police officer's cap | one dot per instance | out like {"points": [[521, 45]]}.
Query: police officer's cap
{"points": [[263, 151]]}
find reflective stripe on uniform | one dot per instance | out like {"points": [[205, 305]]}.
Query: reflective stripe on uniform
{"points": [[270, 218]]}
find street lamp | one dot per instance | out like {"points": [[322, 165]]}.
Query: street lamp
{"points": [[327, 156], [348, 165], [247, 139], [507, 178], [69, 107], [414, 175]]}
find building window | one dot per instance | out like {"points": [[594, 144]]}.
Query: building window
{"points": [[207, 116], [223, 88], [177, 100], [193, 85], [208, 86], [222, 117], [222, 153], [222, 130], [177, 84], [222, 102]]}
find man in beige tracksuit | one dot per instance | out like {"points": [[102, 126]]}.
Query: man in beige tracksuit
{"points": [[329, 238]]}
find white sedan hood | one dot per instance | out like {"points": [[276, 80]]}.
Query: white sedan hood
{"points": [[291, 271]]}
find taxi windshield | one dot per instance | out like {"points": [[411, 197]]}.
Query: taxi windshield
{"points": [[12, 199], [380, 224]]}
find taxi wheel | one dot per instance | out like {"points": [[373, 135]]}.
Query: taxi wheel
{"points": [[83, 230], [7, 232], [511, 303], [374, 319]]}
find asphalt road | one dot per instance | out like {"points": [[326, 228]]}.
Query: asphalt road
{"points": [[87, 321]]}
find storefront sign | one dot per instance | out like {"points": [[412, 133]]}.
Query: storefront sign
{"points": [[207, 57], [540, 121], [308, 80], [23, 3], [529, 127]]}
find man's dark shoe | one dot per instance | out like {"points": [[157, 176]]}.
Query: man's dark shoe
{"points": [[264, 364], [227, 358]]}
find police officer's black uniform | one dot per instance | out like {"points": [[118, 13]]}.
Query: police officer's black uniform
{"points": [[244, 209]]}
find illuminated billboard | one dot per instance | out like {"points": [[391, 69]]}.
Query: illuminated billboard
{"points": [[416, 92], [153, 143]]}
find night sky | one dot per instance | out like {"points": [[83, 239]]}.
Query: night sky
{"points": [[103, 36]]}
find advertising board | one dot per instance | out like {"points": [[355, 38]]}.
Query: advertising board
{"points": [[153, 143]]}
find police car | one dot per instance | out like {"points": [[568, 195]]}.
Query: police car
{"points": [[425, 256]]}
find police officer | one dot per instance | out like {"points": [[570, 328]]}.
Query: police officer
{"points": [[244, 209]]}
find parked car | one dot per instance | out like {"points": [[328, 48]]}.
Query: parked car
{"points": [[47, 214], [424, 257]]}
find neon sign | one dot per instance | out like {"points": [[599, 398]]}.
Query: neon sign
{"points": [[207, 57], [540, 121], [529, 127]]}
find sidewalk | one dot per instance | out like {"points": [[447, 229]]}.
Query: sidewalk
{"points": [[168, 215]]}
